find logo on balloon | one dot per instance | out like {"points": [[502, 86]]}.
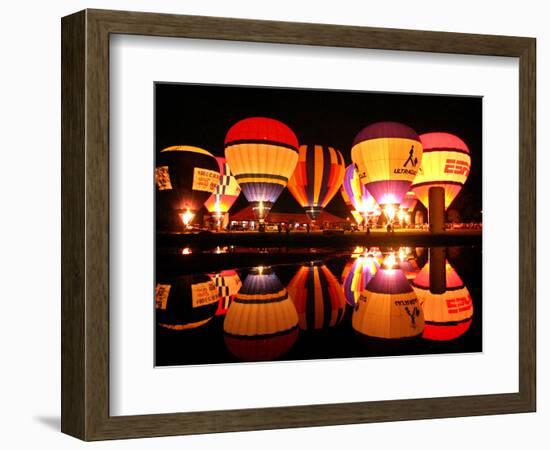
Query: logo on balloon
{"points": [[458, 167], [412, 160]]}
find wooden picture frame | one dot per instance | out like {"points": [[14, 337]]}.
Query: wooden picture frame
{"points": [[85, 224]]}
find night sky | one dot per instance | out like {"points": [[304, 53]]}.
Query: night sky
{"points": [[200, 115]]}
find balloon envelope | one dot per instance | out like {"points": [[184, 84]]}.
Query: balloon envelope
{"points": [[387, 156], [261, 323], [226, 192], [388, 307], [318, 297], [317, 177], [185, 177], [446, 163], [262, 154]]}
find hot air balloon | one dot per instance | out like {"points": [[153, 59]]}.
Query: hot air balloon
{"points": [[261, 323], [262, 154], [185, 302], [318, 297], [185, 177], [227, 283], [388, 307], [225, 194], [445, 163], [387, 156], [317, 177], [361, 199], [447, 315], [357, 274]]}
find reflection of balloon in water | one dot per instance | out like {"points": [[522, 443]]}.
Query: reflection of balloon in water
{"points": [[407, 263], [360, 197], [262, 154], [445, 163], [447, 315], [261, 323], [356, 275], [317, 177], [185, 302], [227, 283], [388, 307], [387, 156], [318, 297], [226, 193], [185, 177]]}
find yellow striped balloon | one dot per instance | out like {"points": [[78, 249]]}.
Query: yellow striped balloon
{"points": [[387, 156], [317, 177], [262, 154], [261, 323]]}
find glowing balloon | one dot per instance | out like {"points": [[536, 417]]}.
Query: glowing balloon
{"points": [[227, 191], [185, 177], [261, 323], [388, 307], [262, 154], [446, 163], [361, 199], [318, 297], [387, 156], [185, 302], [448, 315], [317, 177]]}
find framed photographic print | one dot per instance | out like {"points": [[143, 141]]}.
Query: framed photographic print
{"points": [[270, 224]]}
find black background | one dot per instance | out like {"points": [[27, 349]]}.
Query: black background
{"points": [[201, 115]]}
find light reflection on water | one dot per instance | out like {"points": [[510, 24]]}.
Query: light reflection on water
{"points": [[331, 304]]}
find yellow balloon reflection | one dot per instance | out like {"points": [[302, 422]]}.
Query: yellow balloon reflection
{"points": [[262, 323], [388, 307]]}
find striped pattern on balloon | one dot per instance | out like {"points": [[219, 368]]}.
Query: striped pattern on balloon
{"points": [[317, 177]]}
